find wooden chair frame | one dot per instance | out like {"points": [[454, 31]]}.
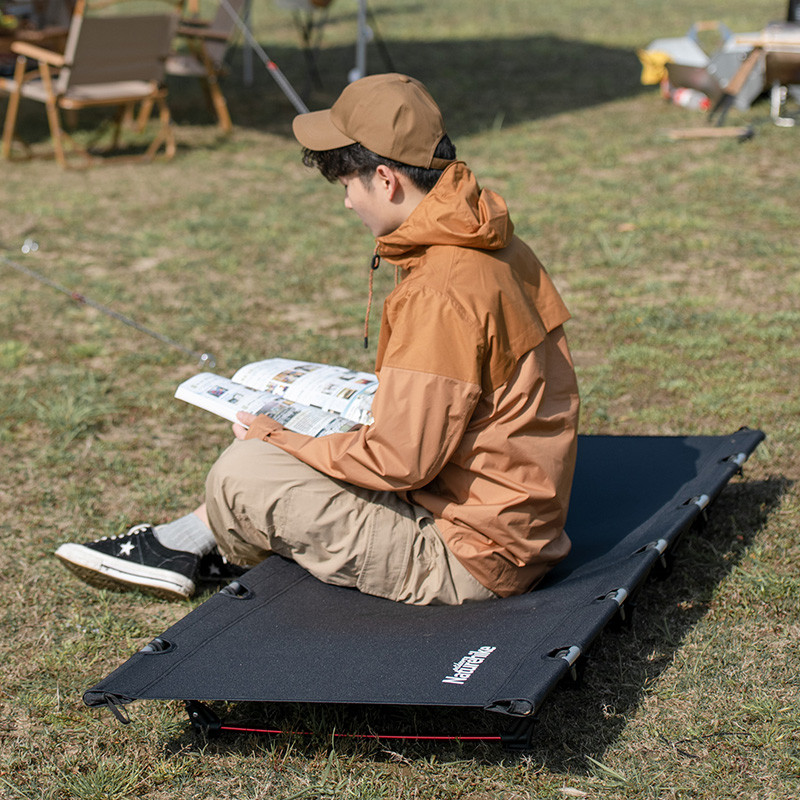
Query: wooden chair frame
{"points": [[206, 43], [197, 40], [52, 83]]}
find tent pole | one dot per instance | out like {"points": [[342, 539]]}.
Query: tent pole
{"points": [[247, 55], [271, 66]]}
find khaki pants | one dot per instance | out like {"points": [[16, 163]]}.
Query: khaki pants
{"points": [[261, 500]]}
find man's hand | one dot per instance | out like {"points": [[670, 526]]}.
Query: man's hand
{"points": [[246, 419]]}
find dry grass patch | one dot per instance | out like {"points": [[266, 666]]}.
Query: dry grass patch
{"points": [[678, 262]]}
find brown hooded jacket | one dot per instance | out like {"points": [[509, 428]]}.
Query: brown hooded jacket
{"points": [[476, 412]]}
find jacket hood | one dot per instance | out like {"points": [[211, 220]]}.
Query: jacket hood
{"points": [[456, 212]]}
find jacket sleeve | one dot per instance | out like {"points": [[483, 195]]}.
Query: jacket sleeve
{"points": [[429, 387]]}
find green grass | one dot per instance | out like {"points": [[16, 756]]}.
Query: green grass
{"points": [[679, 263]]}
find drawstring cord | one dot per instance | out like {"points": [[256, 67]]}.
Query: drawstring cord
{"points": [[374, 263]]}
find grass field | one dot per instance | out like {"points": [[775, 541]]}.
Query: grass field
{"points": [[679, 262]]}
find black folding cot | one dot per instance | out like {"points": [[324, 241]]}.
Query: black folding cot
{"points": [[277, 635]]}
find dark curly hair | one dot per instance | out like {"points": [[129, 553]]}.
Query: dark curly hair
{"points": [[355, 159]]}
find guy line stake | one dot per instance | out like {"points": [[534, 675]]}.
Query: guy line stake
{"points": [[204, 359]]}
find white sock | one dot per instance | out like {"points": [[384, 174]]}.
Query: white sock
{"points": [[188, 533]]}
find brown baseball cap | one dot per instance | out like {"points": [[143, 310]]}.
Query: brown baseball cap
{"points": [[391, 114]]}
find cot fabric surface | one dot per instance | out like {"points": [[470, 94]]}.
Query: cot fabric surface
{"points": [[279, 635]]}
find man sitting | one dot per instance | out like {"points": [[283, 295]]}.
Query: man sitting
{"points": [[458, 491]]}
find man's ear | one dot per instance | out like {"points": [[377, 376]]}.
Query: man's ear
{"points": [[388, 180]]}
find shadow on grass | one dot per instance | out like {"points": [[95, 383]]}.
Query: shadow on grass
{"points": [[623, 662], [584, 719], [481, 84]]}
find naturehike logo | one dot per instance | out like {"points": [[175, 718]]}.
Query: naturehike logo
{"points": [[462, 670]]}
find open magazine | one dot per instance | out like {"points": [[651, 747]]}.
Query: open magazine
{"points": [[316, 399]]}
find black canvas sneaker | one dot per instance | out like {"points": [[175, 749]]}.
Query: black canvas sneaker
{"points": [[214, 568], [134, 560]]}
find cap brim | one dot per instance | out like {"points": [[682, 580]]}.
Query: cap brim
{"points": [[316, 131]]}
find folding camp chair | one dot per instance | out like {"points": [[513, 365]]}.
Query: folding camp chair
{"points": [[108, 62], [206, 43]]}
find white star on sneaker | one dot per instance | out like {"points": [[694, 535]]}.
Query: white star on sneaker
{"points": [[126, 549]]}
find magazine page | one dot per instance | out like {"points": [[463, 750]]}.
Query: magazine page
{"points": [[220, 395], [339, 390], [306, 419], [225, 398]]}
